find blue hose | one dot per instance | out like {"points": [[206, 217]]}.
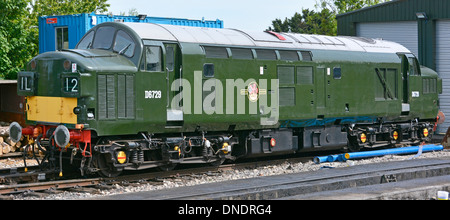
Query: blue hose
{"points": [[376, 153]]}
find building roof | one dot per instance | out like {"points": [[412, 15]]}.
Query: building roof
{"points": [[370, 7], [233, 37]]}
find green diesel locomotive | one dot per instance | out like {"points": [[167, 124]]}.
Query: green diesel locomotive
{"points": [[134, 96]]}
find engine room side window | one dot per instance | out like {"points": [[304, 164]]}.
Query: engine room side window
{"points": [[104, 38], [337, 73], [242, 53], [208, 70], [288, 55], [124, 44], [216, 52], [151, 61], [264, 54]]}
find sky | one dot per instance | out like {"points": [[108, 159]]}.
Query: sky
{"points": [[248, 15]]}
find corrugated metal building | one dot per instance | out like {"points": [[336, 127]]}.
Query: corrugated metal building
{"points": [[423, 26], [64, 31]]}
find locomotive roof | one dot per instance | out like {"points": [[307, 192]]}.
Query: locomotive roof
{"points": [[238, 38]]}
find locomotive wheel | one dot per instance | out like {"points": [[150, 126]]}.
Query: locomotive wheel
{"points": [[353, 145], [218, 162], [106, 169], [167, 167]]}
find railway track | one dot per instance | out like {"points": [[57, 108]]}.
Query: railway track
{"points": [[40, 184], [296, 186]]}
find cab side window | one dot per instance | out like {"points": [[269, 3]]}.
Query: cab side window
{"points": [[151, 61], [413, 70], [414, 65]]}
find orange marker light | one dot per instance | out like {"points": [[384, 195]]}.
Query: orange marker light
{"points": [[273, 142]]}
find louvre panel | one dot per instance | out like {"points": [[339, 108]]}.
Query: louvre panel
{"points": [[130, 97], [426, 87], [433, 85], [125, 96], [106, 97], [121, 96], [111, 96], [305, 75], [429, 86], [287, 96], [102, 109], [286, 74]]}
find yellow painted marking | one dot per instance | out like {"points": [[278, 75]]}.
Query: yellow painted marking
{"points": [[51, 109]]}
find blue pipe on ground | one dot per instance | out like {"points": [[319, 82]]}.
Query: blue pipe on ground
{"points": [[403, 150], [376, 153], [318, 160]]}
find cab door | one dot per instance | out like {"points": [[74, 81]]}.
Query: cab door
{"points": [[173, 71], [412, 85]]}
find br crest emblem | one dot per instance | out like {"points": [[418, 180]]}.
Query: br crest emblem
{"points": [[253, 92]]}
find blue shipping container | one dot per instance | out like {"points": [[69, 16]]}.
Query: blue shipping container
{"points": [[64, 31]]}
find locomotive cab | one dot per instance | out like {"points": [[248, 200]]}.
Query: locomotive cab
{"points": [[61, 90]]}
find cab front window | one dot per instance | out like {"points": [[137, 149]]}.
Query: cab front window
{"points": [[104, 38], [86, 42], [124, 44]]}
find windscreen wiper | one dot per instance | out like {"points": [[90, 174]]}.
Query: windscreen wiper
{"points": [[124, 49]]}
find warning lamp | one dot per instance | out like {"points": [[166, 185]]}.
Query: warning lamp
{"points": [[395, 135], [363, 137], [425, 132], [273, 142], [121, 157]]}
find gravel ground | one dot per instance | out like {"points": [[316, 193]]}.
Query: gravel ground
{"points": [[15, 162], [285, 168]]}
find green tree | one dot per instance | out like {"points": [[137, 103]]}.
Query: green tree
{"points": [[65, 7], [14, 37], [323, 20], [344, 6], [309, 22], [19, 34]]}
